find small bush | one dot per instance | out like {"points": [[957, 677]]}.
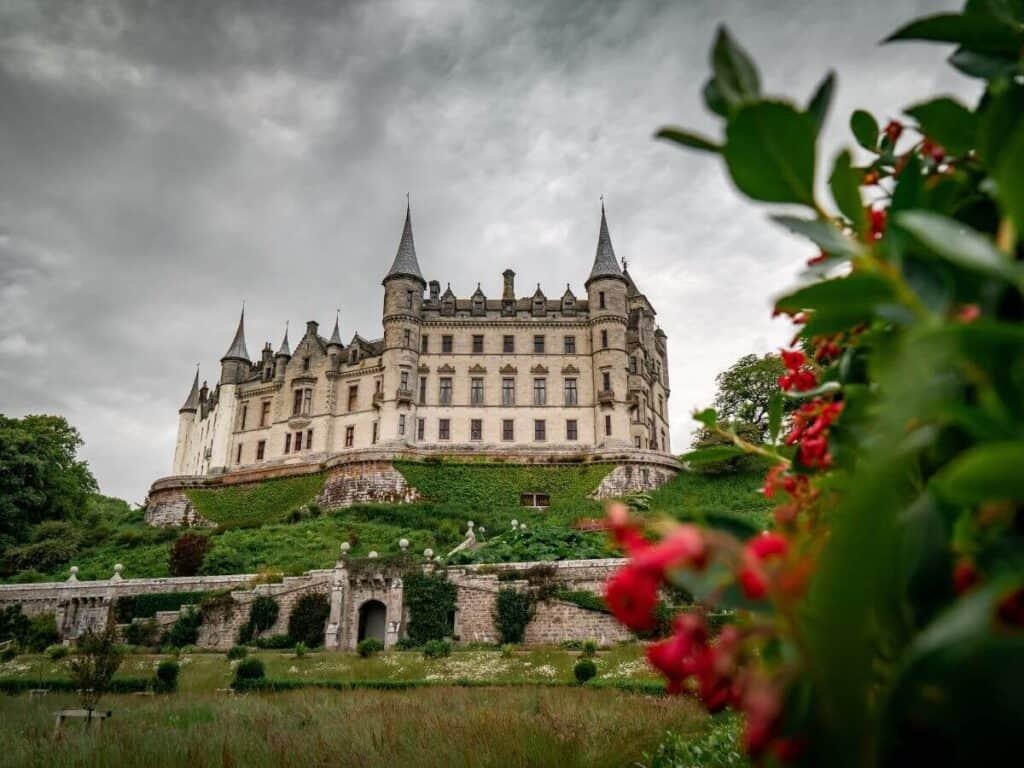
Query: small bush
{"points": [[9, 653], [589, 649], [238, 652], [436, 649], [167, 672], [141, 633], [301, 650], [185, 631], [513, 611], [369, 647], [263, 613], [508, 650], [274, 642], [42, 632], [57, 652], [187, 553], [406, 644], [307, 620], [249, 669], [584, 670], [719, 747], [221, 560]]}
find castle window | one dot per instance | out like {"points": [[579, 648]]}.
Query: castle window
{"points": [[305, 363], [238, 454], [508, 344], [534, 500], [540, 430], [353, 396], [350, 436], [405, 380], [540, 391], [288, 443], [446, 390], [376, 429], [478, 344], [636, 441], [606, 381], [571, 394], [408, 299], [664, 442], [296, 402], [571, 430], [261, 450], [423, 390], [633, 367], [406, 338], [507, 430], [421, 428], [476, 391], [245, 412], [443, 429], [446, 344], [309, 439], [604, 339], [424, 343], [476, 429], [508, 391], [353, 356], [478, 306], [307, 401], [570, 345], [538, 345], [608, 425], [600, 300], [298, 442], [401, 423], [661, 406], [264, 413]]}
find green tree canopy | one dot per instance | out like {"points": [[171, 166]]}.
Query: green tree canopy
{"points": [[41, 477], [745, 391]]}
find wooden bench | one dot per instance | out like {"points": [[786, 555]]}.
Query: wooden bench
{"points": [[87, 714]]}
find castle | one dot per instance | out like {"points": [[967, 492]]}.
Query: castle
{"points": [[520, 376]]}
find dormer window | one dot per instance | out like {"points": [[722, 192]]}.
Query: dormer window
{"points": [[353, 356], [305, 363]]}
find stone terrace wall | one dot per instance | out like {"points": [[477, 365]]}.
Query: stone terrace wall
{"points": [[366, 481], [634, 477]]}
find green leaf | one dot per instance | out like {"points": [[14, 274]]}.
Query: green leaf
{"points": [[841, 303], [865, 129], [770, 153], [713, 98], [735, 73], [1010, 180], [845, 185], [974, 31], [959, 244], [822, 233], [988, 472], [774, 417], [999, 119], [983, 65], [712, 454], [909, 187], [688, 139], [948, 122], [818, 106], [708, 417]]}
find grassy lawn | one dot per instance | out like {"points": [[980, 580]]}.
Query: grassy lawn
{"points": [[427, 727]]}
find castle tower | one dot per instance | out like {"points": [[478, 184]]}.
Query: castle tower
{"points": [[235, 365], [606, 292], [186, 419], [235, 368], [403, 303]]}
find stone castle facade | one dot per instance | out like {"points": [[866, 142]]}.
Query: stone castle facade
{"points": [[512, 376]]}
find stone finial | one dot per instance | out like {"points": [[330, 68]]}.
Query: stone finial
{"points": [[118, 568], [403, 544], [428, 553], [522, 527], [372, 555], [515, 524], [74, 573], [469, 525], [482, 529], [345, 547]]}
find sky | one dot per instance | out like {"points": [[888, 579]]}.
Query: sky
{"points": [[161, 162]]}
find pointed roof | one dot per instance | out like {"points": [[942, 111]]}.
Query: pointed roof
{"points": [[285, 350], [631, 289], [605, 263], [478, 293], [448, 294], [405, 264], [538, 294], [237, 349], [336, 334], [568, 292], [192, 401]]}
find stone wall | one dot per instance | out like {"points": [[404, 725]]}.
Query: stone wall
{"points": [[369, 481], [171, 508], [633, 477]]}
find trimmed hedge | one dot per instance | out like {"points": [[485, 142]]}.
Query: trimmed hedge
{"points": [[646, 687], [121, 685], [581, 598], [146, 606]]}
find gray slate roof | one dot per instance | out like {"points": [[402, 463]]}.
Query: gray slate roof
{"points": [[285, 350], [237, 349], [192, 401], [605, 263], [336, 335], [405, 263]]}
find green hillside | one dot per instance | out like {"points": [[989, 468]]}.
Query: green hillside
{"points": [[277, 527]]}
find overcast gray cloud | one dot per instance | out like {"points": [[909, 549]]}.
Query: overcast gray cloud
{"points": [[161, 161]]}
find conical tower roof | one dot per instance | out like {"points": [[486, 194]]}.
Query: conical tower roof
{"points": [[336, 334], [405, 264], [192, 401], [605, 262], [285, 350], [237, 349]]}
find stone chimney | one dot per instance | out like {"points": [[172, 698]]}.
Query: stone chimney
{"points": [[311, 328], [509, 291], [435, 291]]}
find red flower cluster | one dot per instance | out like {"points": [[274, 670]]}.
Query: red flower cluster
{"points": [[757, 557], [632, 593], [827, 348], [893, 131], [810, 430], [933, 151], [798, 377], [879, 218], [796, 486]]}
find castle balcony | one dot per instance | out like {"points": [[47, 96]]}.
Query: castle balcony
{"points": [[404, 396], [378, 398], [606, 397]]}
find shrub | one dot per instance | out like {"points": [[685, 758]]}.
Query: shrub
{"points": [[718, 747], [9, 652], [301, 650], [131, 607], [512, 612], [141, 632], [97, 657], [307, 620], [167, 672], [237, 652], [57, 652], [263, 613], [185, 631], [508, 650], [406, 644], [187, 553], [430, 600], [584, 670], [437, 649], [274, 642], [589, 649], [249, 669], [369, 647], [42, 632], [221, 560]]}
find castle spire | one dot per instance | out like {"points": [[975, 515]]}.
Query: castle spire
{"points": [[237, 349], [285, 350], [405, 264], [192, 401], [336, 335], [605, 263]]}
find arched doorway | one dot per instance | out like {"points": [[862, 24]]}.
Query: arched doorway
{"points": [[372, 620]]}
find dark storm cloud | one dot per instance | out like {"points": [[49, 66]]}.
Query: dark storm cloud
{"points": [[161, 161]]}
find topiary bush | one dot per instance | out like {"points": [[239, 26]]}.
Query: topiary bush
{"points": [[237, 652], [184, 631], [584, 670], [512, 612], [430, 600], [301, 649], [250, 669], [371, 646], [167, 672], [437, 649], [589, 649], [308, 618]]}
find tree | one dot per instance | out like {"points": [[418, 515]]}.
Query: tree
{"points": [[98, 655], [746, 389], [41, 477]]}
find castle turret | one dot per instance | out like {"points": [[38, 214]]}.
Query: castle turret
{"points": [[282, 356], [235, 365], [186, 419], [508, 293], [403, 303], [606, 292]]}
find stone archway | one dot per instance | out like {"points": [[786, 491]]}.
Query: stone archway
{"points": [[373, 616]]}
